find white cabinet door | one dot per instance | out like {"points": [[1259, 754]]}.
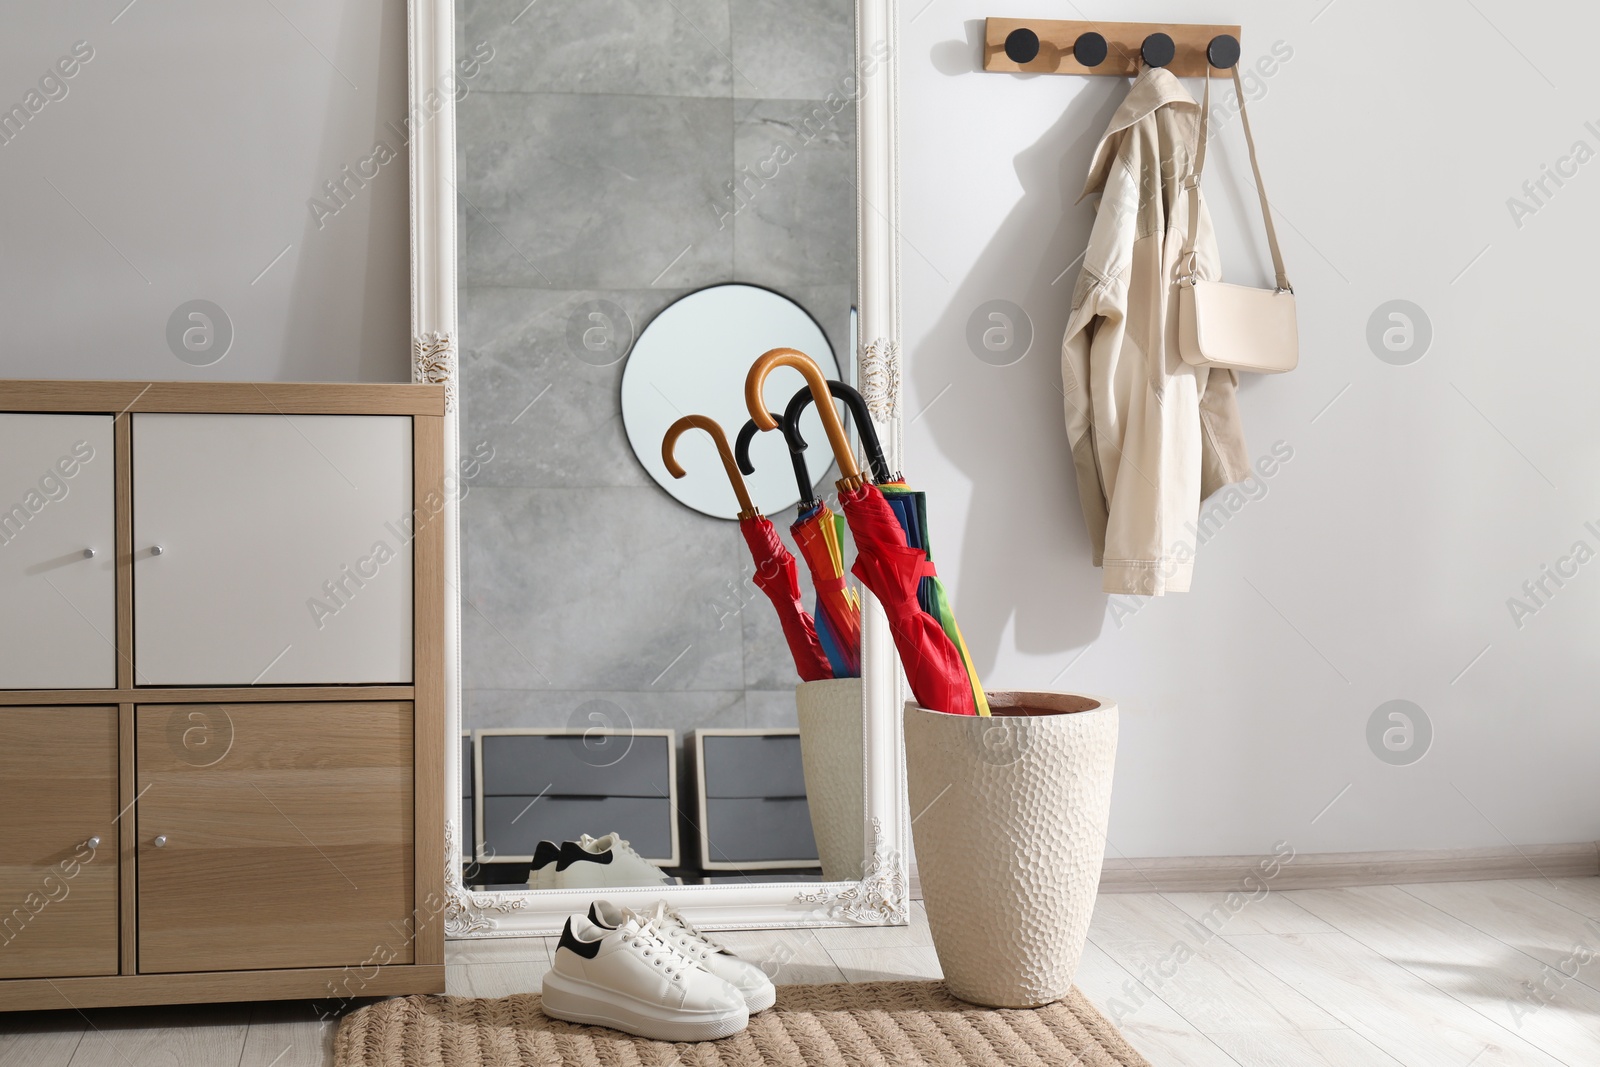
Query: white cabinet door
{"points": [[58, 604], [272, 549]]}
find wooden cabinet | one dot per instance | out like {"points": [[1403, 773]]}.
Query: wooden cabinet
{"points": [[58, 842], [57, 552], [272, 549], [222, 763], [284, 841]]}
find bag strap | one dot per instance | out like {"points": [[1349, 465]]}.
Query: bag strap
{"points": [[1193, 183]]}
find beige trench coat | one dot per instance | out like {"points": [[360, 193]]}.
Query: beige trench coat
{"points": [[1151, 435]]}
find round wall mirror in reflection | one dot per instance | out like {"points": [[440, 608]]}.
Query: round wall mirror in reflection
{"points": [[692, 360]]}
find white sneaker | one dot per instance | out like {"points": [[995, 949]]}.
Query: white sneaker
{"points": [[546, 857], [614, 864], [751, 981], [631, 979], [592, 863]]}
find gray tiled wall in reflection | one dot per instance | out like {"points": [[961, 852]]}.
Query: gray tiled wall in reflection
{"points": [[629, 151]]}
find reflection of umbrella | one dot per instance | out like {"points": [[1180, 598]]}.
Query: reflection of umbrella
{"points": [[776, 574], [890, 528], [819, 534]]}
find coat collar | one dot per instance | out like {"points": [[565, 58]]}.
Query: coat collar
{"points": [[1154, 88]]}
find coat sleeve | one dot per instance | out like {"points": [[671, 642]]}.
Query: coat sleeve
{"points": [[1096, 301]]}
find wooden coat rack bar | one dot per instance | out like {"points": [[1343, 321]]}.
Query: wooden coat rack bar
{"points": [[1053, 46]]}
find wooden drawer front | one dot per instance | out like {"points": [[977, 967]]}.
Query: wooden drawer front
{"points": [[57, 500], [58, 789], [514, 826], [285, 549], [744, 830], [288, 836]]}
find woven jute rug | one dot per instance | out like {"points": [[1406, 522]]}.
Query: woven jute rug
{"points": [[881, 1024]]}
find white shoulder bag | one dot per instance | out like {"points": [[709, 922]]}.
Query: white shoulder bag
{"points": [[1234, 326]]}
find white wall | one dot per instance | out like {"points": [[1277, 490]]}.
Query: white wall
{"points": [[179, 164], [1379, 562]]}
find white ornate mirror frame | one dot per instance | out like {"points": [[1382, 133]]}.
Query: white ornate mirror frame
{"points": [[882, 896]]}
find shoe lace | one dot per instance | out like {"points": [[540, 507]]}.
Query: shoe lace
{"points": [[672, 959], [665, 917]]}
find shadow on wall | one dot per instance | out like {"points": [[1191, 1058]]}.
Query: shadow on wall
{"points": [[1003, 421]]}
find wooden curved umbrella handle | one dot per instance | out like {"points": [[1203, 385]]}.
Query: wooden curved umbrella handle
{"points": [[755, 401], [669, 445]]}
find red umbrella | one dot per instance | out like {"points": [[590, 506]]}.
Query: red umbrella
{"points": [[776, 573], [935, 660]]}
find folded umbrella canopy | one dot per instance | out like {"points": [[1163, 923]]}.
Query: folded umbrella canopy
{"points": [[891, 559], [819, 535], [776, 574], [909, 507]]}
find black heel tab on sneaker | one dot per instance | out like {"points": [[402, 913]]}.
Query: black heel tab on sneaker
{"points": [[572, 852], [546, 853], [587, 949]]}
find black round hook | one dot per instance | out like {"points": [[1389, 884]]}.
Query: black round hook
{"points": [[856, 405], [1089, 49], [1158, 50], [741, 455], [1223, 51], [1022, 45]]}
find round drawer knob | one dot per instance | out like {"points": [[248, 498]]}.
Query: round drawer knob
{"points": [[93, 842], [88, 553], [156, 550], [160, 841]]}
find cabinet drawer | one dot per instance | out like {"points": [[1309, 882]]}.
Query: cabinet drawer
{"points": [[284, 841], [615, 765], [743, 831], [751, 796], [285, 549], [57, 504], [752, 765], [58, 892], [514, 826], [555, 785]]}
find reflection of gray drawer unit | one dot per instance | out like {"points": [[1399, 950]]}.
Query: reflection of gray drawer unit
{"points": [[555, 785], [751, 792]]}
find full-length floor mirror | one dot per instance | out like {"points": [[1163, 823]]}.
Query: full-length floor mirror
{"points": [[617, 208]]}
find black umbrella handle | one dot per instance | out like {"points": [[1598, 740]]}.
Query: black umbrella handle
{"points": [[741, 453], [856, 404]]}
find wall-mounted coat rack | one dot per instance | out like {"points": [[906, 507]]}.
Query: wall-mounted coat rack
{"points": [[1053, 46]]}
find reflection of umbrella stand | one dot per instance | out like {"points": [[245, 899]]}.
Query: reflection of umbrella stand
{"points": [[776, 574], [831, 720]]}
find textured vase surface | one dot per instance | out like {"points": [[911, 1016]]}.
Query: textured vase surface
{"points": [[1010, 817], [831, 753]]}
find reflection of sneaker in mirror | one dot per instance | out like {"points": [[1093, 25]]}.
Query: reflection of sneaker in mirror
{"points": [[592, 863], [543, 871], [631, 979], [751, 981], [625, 866]]}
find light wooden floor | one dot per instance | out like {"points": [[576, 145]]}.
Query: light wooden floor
{"points": [[1416, 975]]}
